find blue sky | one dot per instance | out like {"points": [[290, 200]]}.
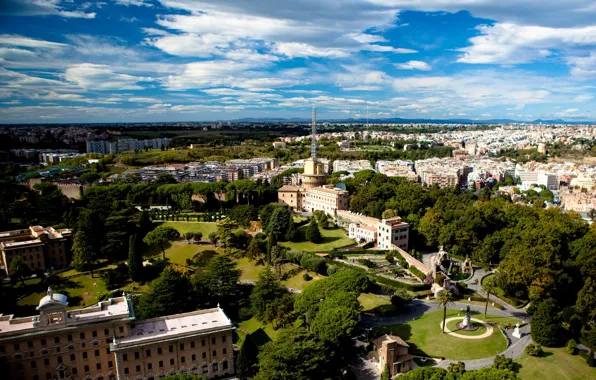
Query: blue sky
{"points": [[194, 60]]}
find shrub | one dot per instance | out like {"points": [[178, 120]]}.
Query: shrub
{"points": [[245, 313], [389, 258], [416, 272], [571, 347], [306, 277], [590, 359], [501, 362], [534, 350], [367, 263], [368, 245]]}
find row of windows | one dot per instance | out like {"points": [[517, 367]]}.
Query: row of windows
{"points": [[137, 355], [44, 342], [72, 357], [205, 368]]}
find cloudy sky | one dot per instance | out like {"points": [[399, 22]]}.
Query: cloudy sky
{"points": [[187, 60]]}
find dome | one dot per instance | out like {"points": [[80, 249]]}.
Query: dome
{"points": [[54, 299]]}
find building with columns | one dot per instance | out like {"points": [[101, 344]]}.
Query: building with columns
{"points": [[106, 342]]}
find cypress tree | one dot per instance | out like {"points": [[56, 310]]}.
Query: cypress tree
{"points": [[246, 364], [312, 232], [135, 259]]}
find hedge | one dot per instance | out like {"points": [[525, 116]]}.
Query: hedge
{"points": [[418, 273], [364, 252]]}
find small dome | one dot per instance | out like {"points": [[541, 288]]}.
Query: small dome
{"points": [[55, 299]]}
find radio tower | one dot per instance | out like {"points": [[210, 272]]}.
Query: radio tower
{"points": [[313, 144]]}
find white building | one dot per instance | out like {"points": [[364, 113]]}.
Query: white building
{"points": [[360, 232], [327, 198], [391, 232]]}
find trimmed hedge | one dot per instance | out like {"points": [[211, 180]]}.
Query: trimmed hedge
{"points": [[417, 272]]}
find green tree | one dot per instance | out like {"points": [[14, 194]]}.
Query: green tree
{"points": [[312, 232], [188, 236], [337, 317], [445, 298], [89, 177], [218, 282], [213, 238], [197, 236], [504, 363], [19, 270], [225, 232], [83, 256], [266, 296], [489, 288], [545, 326], [458, 368], [295, 355], [280, 227], [135, 259], [253, 252], [401, 298], [389, 214], [170, 293], [386, 375], [247, 361], [586, 300], [161, 236]]}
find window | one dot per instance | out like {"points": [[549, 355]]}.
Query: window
{"points": [[94, 333], [108, 350], [171, 348], [69, 338], [225, 364], [137, 355], [126, 371], [192, 344], [194, 357], [215, 367], [86, 368], [203, 343], [16, 347], [212, 340], [82, 335], [106, 332], [46, 362], [110, 364], [20, 366], [182, 359], [125, 357], [30, 344], [121, 329], [204, 355], [214, 353], [161, 364], [148, 353], [181, 346], [159, 351], [224, 351], [34, 364], [138, 368], [59, 359], [75, 371], [205, 369], [223, 339], [171, 361], [72, 357], [84, 355], [149, 366], [56, 340], [98, 366]]}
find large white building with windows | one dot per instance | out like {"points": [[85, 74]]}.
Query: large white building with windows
{"points": [[388, 233]]}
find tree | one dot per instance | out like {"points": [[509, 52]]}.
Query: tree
{"points": [[266, 296], [83, 256], [388, 214], [89, 177], [489, 288], [254, 250], [135, 259], [545, 324], [322, 218], [161, 236], [501, 362], [213, 238], [197, 236], [188, 236], [217, 282], [295, 355], [170, 293], [19, 270], [586, 300], [312, 232], [458, 368], [247, 361], [280, 227], [401, 298], [225, 232], [386, 375], [590, 359], [445, 298], [337, 317]]}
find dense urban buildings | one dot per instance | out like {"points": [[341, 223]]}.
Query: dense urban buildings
{"points": [[105, 341], [123, 145], [40, 248]]}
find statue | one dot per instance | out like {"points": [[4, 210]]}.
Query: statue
{"points": [[467, 323], [516, 333], [50, 292]]}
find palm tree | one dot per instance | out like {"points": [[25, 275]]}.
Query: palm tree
{"points": [[445, 298], [489, 287]]}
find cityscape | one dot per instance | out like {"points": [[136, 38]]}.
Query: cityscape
{"points": [[363, 190]]}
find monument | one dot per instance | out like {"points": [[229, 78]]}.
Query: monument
{"points": [[516, 332], [467, 324]]}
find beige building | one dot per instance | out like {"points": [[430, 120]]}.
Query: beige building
{"points": [[105, 342], [327, 199], [40, 248], [393, 232], [441, 179], [393, 351], [293, 196], [314, 173]]}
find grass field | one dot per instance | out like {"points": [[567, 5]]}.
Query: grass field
{"points": [[250, 272], [376, 304], [179, 251], [203, 227], [260, 333], [332, 238], [557, 364], [425, 338]]}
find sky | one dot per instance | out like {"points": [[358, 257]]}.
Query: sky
{"points": [[195, 60]]}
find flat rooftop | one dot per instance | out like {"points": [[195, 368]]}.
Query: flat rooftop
{"points": [[16, 244], [176, 325]]}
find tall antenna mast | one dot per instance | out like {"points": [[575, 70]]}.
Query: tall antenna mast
{"points": [[313, 144]]}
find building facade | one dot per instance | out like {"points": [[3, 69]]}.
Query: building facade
{"points": [[111, 147], [393, 232], [327, 199], [393, 351], [40, 248], [390, 233], [105, 342]]}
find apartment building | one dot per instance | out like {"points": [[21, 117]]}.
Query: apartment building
{"points": [[393, 232], [328, 199], [110, 147], [105, 342], [389, 233], [40, 248]]}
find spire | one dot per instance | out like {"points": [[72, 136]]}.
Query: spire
{"points": [[313, 146]]}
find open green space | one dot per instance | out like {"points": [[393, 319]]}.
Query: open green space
{"points": [[556, 364], [178, 251], [426, 339], [250, 272], [203, 227], [499, 293], [332, 238], [260, 333], [376, 304]]}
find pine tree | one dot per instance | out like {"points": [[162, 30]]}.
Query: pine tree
{"points": [[135, 259], [312, 232], [246, 364], [83, 255], [386, 375], [545, 325]]}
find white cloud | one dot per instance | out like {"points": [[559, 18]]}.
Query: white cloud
{"points": [[21, 41], [138, 3], [102, 77], [142, 100], [363, 88], [414, 65], [42, 8], [192, 45], [297, 49], [583, 98], [583, 67]]}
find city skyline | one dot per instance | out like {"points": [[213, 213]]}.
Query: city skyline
{"points": [[182, 60]]}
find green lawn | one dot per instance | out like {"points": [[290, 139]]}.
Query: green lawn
{"points": [[260, 332], [425, 338], [557, 364], [204, 227], [81, 291], [250, 272], [179, 251], [452, 325], [332, 238], [376, 304]]}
